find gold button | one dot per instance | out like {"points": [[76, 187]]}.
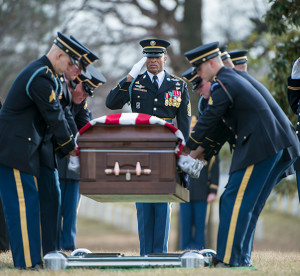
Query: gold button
{"points": [[297, 132], [233, 145], [139, 96], [230, 128], [236, 136], [245, 137], [224, 121], [297, 123], [29, 139], [155, 99], [154, 108]]}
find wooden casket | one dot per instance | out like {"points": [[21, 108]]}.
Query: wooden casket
{"points": [[129, 163]]}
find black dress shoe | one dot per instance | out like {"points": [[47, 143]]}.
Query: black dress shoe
{"points": [[218, 264], [36, 267]]}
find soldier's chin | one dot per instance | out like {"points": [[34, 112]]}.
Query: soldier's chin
{"points": [[153, 70]]}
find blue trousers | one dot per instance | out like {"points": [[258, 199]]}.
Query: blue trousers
{"points": [[298, 182], [192, 225], [49, 193], [273, 179], [153, 226], [69, 204], [20, 199], [237, 203]]}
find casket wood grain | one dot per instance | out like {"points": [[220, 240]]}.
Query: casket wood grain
{"points": [[111, 156]]}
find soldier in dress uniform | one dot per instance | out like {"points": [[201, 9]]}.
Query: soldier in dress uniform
{"points": [[293, 94], [4, 240], [202, 189], [255, 155], [239, 59], [48, 181], [158, 93], [32, 107], [283, 168], [82, 87]]}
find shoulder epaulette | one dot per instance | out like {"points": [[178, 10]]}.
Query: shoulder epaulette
{"points": [[214, 85], [175, 77], [48, 71], [43, 69]]}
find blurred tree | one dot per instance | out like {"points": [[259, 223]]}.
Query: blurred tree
{"points": [[126, 22], [25, 30], [283, 21]]}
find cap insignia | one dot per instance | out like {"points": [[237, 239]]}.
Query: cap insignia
{"points": [[152, 43]]}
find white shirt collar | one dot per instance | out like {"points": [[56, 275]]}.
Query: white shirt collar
{"points": [[160, 77]]}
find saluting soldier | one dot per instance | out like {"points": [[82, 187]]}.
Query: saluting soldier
{"points": [[32, 107], [237, 60], [256, 152], [80, 88], [164, 95]]}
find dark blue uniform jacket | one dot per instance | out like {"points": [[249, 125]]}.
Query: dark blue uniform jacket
{"points": [[32, 107], [170, 101], [257, 131]]}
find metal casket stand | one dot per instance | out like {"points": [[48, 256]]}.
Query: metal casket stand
{"points": [[82, 259]]}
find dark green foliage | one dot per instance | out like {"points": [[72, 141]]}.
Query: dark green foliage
{"points": [[283, 21]]}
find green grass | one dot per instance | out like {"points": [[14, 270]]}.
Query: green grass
{"points": [[277, 254]]}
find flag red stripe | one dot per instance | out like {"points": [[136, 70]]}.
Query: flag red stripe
{"points": [[143, 119], [113, 119]]}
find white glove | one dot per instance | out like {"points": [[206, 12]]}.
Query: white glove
{"points": [[74, 164], [296, 70], [190, 165], [137, 68], [196, 168]]}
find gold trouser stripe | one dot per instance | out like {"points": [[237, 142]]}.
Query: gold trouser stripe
{"points": [[23, 219], [79, 202], [235, 213]]}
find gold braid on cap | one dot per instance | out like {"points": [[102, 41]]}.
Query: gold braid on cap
{"points": [[66, 45], [205, 55], [238, 58]]}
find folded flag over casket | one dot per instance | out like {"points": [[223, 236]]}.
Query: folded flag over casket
{"points": [[136, 119]]}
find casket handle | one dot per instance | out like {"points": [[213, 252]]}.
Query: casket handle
{"points": [[138, 170]]}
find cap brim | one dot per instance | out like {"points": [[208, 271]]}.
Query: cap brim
{"points": [[75, 62], [153, 54]]}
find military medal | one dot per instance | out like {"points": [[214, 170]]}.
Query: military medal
{"points": [[166, 99]]}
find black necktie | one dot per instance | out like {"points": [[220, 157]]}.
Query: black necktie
{"points": [[155, 82]]}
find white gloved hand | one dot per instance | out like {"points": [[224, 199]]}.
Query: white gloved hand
{"points": [[185, 162], [296, 70], [137, 68], [190, 165], [196, 168], [74, 164]]}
